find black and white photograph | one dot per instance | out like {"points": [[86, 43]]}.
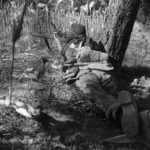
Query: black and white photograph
{"points": [[75, 75]]}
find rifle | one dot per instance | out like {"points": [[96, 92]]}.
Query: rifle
{"points": [[43, 35], [92, 66]]}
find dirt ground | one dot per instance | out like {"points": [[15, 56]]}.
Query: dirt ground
{"points": [[69, 120]]}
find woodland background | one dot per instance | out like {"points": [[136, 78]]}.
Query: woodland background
{"points": [[37, 83]]}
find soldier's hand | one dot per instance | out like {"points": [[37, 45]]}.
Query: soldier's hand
{"points": [[84, 54], [71, 73], [71, 61]]}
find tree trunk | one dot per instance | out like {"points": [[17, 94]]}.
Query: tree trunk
{"points": [[119, 20]]}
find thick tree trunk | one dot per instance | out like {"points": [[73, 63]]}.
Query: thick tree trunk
{"points": [[119, 21]]}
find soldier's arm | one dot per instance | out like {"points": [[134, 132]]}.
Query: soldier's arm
{"points": [[94, 45], [85, 54]]}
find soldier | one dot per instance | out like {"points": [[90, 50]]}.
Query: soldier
{"points": [[78, 34], [88, 69]]}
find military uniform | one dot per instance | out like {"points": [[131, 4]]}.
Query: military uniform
{"points": [[100, 86]]}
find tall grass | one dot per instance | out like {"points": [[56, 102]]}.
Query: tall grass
{"points": [[93, 23], [137, 52]]}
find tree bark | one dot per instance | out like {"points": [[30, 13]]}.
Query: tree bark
{"points": [[118, 24]]}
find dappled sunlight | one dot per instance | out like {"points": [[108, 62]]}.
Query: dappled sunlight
{"points": [[45, 112]]}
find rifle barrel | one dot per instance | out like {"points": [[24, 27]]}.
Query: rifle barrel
{"points": [[43, 35], [75, 64]]}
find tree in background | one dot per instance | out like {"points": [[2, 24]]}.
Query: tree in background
{"points": [[120, 16], [144, 12]]}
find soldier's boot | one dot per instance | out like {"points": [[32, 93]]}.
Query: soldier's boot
{"points": [[125, 113], [144, 128], [130, 118], [134, 122]]}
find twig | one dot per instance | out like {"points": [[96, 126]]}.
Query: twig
{"points": [[42, 35], [11, 76]]}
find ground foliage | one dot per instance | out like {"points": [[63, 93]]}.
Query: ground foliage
{"points": [[79, 124]]}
